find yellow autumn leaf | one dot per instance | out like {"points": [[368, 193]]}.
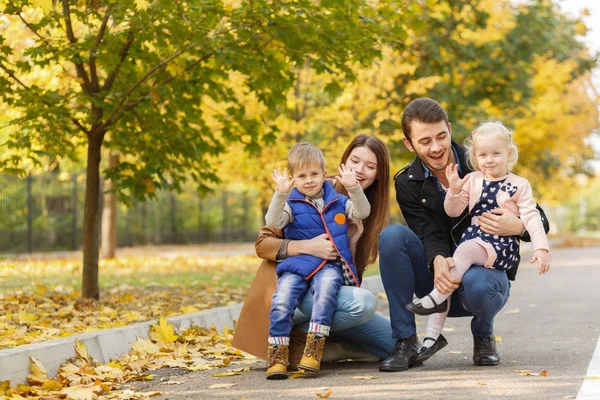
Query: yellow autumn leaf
{"points": [[544, 373], [163, 333], [80, 393], [4, 385], [37, 372], [222, 374], [51, 384], [297, 374], [145, 346], [82, 351], [324, 396], [363, 378], [45, 5], [498, 339], [25, 317], [221, 385], [141, 4], [189, 309]]}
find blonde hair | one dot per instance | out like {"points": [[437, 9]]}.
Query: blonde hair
{"points": [[304, 154], [487, 130]]}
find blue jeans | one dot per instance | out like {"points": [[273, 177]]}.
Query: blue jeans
{"points": [[291, 289], [355, 321], [482, 293]]}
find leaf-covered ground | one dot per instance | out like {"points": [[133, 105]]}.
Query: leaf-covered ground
{"points": [[194, 349], [40, 298]]}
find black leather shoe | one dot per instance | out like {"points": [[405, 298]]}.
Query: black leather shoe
{"points": [[403, 356], [417, 308], [484, 351], [426, 352]]}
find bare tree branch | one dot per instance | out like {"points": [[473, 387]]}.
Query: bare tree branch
{"points": [[71, 36], [94, 50]]}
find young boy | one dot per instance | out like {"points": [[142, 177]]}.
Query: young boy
{"points": [[312, 208]]}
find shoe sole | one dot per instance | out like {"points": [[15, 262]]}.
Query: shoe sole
{"points": [[310, 369], [277, 376], [487, 364], [422, 359], [413, 365]]}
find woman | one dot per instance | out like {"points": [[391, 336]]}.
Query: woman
{"points": [[355, 324]]}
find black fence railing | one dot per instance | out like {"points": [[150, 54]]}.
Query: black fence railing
{"points": [[45, 213]]}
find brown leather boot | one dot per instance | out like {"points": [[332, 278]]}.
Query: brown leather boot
{"points": [[277, 362], [313, 352]]}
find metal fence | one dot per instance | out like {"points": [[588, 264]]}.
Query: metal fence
{"points": [[45, 213]]}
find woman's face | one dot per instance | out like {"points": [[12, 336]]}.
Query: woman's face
{"points": [[364, 161]]}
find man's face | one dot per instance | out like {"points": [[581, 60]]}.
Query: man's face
{"points": [[431, 143]]}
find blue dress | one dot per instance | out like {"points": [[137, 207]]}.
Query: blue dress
{"points": [[505, 247]]}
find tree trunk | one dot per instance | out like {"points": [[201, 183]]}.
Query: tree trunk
{"points": [[90, 287], [109, 213]]}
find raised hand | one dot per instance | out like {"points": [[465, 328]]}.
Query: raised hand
{"points": [[284, 184], [454, 181], [541, 255], [347, 177]]}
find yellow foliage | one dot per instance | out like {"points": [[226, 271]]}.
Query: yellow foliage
{"points": [[163, 333]]}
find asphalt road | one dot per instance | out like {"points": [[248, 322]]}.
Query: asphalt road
{"points": [[550, 323]]}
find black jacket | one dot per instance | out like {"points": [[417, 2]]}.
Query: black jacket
{"points": [[423, 209]]}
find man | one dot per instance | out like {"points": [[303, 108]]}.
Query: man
{"points": [[412, 259]]}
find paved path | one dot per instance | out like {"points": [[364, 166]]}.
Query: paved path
{"points": [[551, 323]]}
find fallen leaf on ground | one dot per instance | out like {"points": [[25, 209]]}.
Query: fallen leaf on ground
{"points": [[498, 339], [163, 333], [481, 383], [174, 383], [544, 373], [513, 311], [363, 378], [325, 395], [222, 374], [455, 352], [221, 385], [297, 374]]}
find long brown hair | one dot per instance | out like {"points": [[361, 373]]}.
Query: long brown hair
{"points": [[378, 195]]}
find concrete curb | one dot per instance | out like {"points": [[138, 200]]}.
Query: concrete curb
{"points": [[108, 344]]}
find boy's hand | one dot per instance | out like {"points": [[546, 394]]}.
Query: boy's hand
{"points": [[284, 184], [456, 184], [541, 255], [347, 177]]}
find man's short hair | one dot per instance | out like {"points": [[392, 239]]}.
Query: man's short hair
{"points": [[304, 154], [424, 110]]}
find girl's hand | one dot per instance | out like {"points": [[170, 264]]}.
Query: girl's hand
{"points": [[541, 255], [454, 182], [347, 177], [284, 185]]}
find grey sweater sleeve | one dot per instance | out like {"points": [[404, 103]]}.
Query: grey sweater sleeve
{"points": [[279, 213], [357, 207]]}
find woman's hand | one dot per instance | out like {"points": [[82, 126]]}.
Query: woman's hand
{"points": [[347, 177], [500, 222], [319, 246]]}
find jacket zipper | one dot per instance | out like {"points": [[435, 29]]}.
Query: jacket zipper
{"points": [[330, 239]]}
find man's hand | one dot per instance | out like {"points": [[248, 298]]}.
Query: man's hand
{"points": [[284, 184], [500, 222], [443, 280]]}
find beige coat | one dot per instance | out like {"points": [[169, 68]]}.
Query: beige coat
{"points": [[252, 329]]}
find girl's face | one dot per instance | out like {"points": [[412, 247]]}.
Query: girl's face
{"points": [[364, 161], [492, 156]]}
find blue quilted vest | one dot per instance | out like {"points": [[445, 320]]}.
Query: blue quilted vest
{"points": [[309, 223]]}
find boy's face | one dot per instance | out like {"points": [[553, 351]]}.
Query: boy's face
{"points": [[309, 179]]}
